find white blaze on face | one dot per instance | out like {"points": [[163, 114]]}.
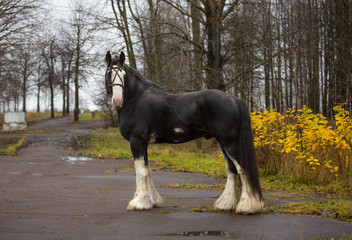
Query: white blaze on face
{"points": [[117, 77]]}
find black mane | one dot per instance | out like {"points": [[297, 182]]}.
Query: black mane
{"points": [[148, 85]]}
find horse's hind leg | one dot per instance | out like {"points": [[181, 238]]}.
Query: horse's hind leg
{"points": [[146, 195], [229, 198], [251, 200]]}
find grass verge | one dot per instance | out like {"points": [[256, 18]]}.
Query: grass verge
{"points": [[180, 157], [340, 209], [29, 131], [10, 145], [208, 160], [92, 116]]}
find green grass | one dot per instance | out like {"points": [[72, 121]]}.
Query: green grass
{"points": [[6, 142], [35, 116], [29, 131], [104, 145], [208, 160], [89, 117], [340, 238], [275, 183], [10, 145], [186, 161], [192, 186], [180, 157], [334, 209]]}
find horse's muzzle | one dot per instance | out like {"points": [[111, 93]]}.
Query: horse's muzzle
{"points": [[117, 102]]}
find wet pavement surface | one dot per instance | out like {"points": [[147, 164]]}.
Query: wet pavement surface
{"points": [[46, 193]]}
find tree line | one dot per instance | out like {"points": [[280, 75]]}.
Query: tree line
{"points": [[39, 54], [271, 53]]}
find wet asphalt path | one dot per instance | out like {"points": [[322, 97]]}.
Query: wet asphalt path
{"points": [[44, 194]]}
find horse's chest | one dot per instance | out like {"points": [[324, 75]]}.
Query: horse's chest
{"points": [[125, 127], [124, 132]]}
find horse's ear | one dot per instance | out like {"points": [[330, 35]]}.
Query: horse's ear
{"points": [[108, 58], [122, 59]]}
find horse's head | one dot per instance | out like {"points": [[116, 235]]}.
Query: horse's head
{"points": [[115, 78]]}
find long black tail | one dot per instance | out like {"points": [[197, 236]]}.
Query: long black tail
{"points": [[246, 151]]}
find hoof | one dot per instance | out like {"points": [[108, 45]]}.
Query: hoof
{"points": [[249, 205], [157, 199], [226, 202], [145, 202], [140, 203]]}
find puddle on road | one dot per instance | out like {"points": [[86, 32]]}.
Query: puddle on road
{"points": [[74, 160], [229, 235]]}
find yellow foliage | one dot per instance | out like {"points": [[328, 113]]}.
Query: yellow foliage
{"points": [[302, 143]]}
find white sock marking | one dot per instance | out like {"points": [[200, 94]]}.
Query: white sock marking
{"points": [[146, 195], [228, 199], [249, 202]]}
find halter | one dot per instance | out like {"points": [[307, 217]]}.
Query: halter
{"points": [[122, 84]]}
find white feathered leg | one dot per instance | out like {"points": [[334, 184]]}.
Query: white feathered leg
{"points": [[146, 195], [228, 199], [249, 202]]}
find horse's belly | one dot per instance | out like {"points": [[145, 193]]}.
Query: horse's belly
{"points": [[179, 135]]}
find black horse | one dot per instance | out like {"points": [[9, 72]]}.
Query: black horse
{"points": [[149, 114]]}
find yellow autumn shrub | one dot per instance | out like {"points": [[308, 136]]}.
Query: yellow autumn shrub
{"points": [[302, 144]]}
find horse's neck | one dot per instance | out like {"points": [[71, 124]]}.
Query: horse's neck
{"points": [[138, 86], [135, 88]]}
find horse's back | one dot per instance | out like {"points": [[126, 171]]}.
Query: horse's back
{"points": [[183, 117], [211, 102], [213, 112]]}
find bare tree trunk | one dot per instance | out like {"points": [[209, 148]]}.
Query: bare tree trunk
{"points": [[279, 63], [27, 69], [77, 63], [63, 87], [68, 85], [24, 89], [147, 54], [197, 58], [266, 55], [343, 54], [49, 61], [52, 114], [51, 77], [38, 89], [214, 68], [313, 58], [123, 26], [153, 11]]}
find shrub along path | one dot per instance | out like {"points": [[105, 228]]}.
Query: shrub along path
{"points": [[46, 193]]}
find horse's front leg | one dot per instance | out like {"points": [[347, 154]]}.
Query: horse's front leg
{"points": [[146, 195]]}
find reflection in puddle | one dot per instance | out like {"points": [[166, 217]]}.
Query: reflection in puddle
{"points": [[75, 160], [203, 233]]}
